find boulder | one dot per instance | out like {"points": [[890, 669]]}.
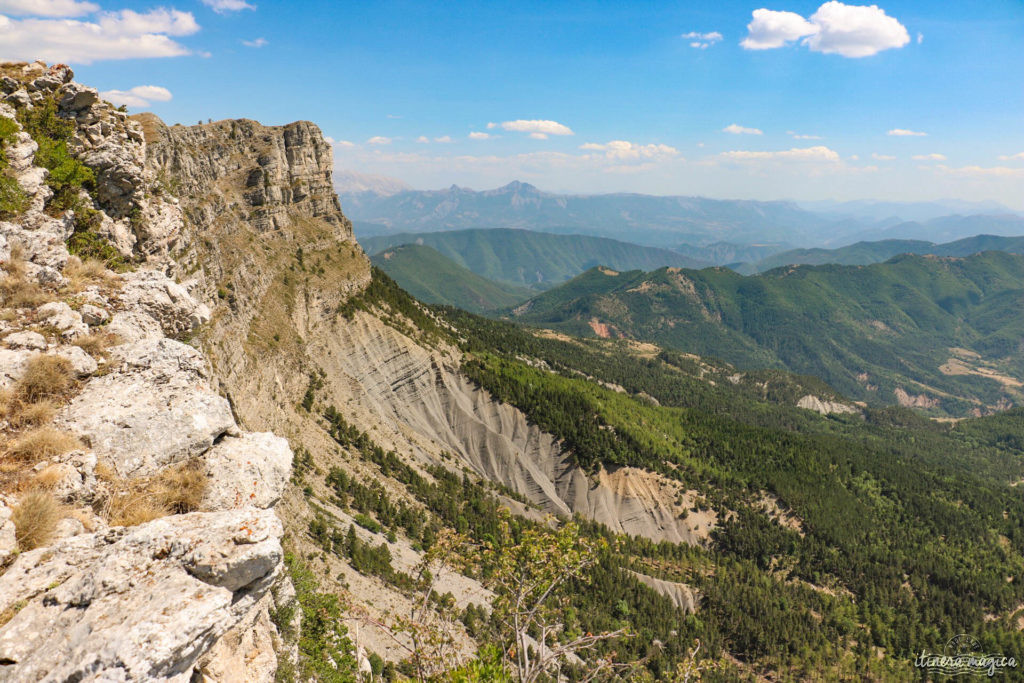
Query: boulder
{"points": [[164, 300], [154, 409], [134, 604], [252, 469], [82, 364], [59, 315], [134, 326], [94, 315], [32, 341], [8, 539], [12, 366]]}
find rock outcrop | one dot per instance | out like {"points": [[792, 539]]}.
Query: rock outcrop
{"points": [[165, 596]]}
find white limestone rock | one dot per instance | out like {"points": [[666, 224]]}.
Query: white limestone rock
{"points": [[153, 410], [59, 315], [134, 326], [252, 469], [94, 315], [82, 364], [32, 341], [164, 300], [12, 366], [139, 603]]}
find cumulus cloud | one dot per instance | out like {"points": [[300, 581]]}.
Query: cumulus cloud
{"points": [[47, 8], [226, 6], [340, 143], [816, 153], [741, 130], [112, 35], [538, 126], [138, 97], [379, 140], [929, 157], [835, 28], [623, 150], [770, 29], [443, 139], [258, 42], [1012, 157], [799, 136], [702, 41], [478, 135], [882, 157], [904, 133]]}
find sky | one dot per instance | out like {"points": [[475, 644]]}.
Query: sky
{"points": [[771, 99]]}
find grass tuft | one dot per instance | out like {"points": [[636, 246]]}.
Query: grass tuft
{"points": [[35, 519]]}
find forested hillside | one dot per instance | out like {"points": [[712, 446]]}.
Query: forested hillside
{"points": [[939, 334], [534, 259]]}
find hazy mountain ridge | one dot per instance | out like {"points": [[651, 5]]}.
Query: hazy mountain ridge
{"points": [[864, 253], [645, 219]]}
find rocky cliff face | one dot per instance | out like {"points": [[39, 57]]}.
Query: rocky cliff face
{"points": [[139, 539]]}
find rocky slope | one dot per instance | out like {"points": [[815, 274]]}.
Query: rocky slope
{"points": [[111, 586]]}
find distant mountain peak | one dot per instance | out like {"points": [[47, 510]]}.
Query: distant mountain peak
{"points": [[353, 182]]}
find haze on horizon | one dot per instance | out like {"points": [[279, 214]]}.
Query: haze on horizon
{"points": [[902, 101]]}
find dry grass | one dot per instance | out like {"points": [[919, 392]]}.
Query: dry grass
{"points": [[96, 343], [82, 274], [21, 414], [42, 443], [45, 377], [48, 477], [17, 290], [35, 518], [181, 489], [176, 490]]}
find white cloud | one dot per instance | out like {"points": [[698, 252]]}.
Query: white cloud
{"points": [[741, 130], [379, 140], [816, 153], [798, 136], [623, 150], [903, 133], [543, 127], [929, 157], [1012, 157], [702, 41], [443, 139], [539, 136], [920, 38], [477, 135], [423, 139], [770, 29], [225, 6], [139, 97], [835, 28], [258, 42], [112, 35], [340, 143], [47, 8], [882, 157]]}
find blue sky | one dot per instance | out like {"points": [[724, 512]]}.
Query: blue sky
{"points": [[586, 96]]}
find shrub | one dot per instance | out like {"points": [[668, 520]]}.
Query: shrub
{"points": [[35, 518], [131, 506]]}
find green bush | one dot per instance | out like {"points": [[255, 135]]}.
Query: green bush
{"points": [[12, 198]]}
